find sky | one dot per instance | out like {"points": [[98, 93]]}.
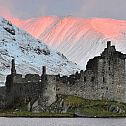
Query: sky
{"points": [[25, 9]]}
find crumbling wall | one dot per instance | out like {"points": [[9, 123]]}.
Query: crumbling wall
{"points": [[84, 86], [48, 90]]}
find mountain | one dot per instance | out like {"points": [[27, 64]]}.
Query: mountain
{"points": [[77, 38], [30, 54]]}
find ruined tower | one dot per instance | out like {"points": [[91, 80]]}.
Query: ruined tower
{"points": [[13, 70], [9, 83], [43, 70], [10, 78], [111, 74], [48, 95]]}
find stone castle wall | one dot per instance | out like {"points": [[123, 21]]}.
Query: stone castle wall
{"points": [[84, 86], [104, 78], [31, 87]]}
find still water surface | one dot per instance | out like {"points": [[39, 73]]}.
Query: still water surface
{"points": [[62, 122]]}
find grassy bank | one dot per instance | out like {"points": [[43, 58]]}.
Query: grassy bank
{"points": [[31, 114], [76, 106], [95, 108]]}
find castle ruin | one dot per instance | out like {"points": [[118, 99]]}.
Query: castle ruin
{"points": [[104, 78]]}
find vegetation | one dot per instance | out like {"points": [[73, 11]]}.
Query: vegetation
{"points": [[31, 114], [76, 106], [92, 108]]}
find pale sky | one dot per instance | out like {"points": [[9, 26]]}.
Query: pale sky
{"points": [[80, 8]]}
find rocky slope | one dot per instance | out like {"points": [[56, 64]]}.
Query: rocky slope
{"points": [[30, 54]]}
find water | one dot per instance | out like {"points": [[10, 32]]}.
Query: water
{"points": [[62, 122]]}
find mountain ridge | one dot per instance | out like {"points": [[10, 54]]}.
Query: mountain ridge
{"points": [[77, 38], [30, 53]]}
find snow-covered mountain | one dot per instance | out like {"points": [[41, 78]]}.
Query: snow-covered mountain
{"points": [[77, 38], [30, 54]]}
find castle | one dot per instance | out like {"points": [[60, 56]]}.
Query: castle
{"points": [[104, 78]]}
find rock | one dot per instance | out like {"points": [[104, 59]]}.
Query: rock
{"points": [[115, 109]]}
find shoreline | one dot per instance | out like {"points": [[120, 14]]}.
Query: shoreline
{"points": [[14, 116]]}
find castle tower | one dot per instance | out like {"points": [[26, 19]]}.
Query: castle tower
{"points": [[13, 70], [43, 76], [48, 93], [10, 83], [13, 73], [108, 44], [43, 70], [111, 74]]}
